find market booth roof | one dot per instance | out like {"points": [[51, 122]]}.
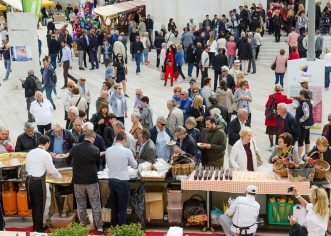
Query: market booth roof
{"points": [[110, 10], [115, 9], [14, 3], [47, 3]]}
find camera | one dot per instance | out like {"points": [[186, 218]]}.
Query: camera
{"points": [[290, 189]]}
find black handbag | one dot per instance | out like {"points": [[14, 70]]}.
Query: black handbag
{"points": [[194, 206]]}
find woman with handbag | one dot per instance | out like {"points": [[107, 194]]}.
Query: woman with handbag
{"points": [[244, 154], [270, 119], [284, 150]]}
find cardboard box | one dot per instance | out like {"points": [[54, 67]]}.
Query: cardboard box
{"points": [[154, 206]]}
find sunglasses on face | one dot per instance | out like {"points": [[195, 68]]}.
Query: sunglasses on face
{"points": [[137, 94], [182, 94], [195, 91]]}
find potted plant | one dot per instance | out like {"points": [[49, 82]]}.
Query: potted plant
{"points": [[300, 172], [126, 230], [72, 230]]}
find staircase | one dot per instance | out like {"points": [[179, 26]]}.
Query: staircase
{"points": [[269, 49]]}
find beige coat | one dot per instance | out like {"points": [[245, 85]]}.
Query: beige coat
{"points": [[119, 48], [225, 99], [82, 104], [175, 118]]}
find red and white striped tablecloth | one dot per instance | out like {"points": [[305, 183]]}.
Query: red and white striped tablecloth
{"points": [[233, 186]]}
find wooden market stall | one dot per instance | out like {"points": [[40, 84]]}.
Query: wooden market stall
{"points": [[118, 15]]}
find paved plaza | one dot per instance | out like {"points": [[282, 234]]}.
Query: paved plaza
{"points": [[13, 106]]}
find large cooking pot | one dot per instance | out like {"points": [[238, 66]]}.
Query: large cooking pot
{"points": [[66, 177]]}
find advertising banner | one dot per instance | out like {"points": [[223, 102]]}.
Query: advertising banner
{"points": [[313, 71], [32, 6]]}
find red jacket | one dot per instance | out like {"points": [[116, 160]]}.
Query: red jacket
{"points": [[293, 56], [279, 98]]}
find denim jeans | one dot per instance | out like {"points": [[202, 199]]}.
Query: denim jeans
{"points": [[94, 59], [137, 58], [327, 76], [145, 55], [231, 60], [7, 67], [119, 193], [53, 59], [279, 78], [49, 91], [190, 69]]}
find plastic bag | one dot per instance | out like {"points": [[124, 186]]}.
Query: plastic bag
{"points": [[161, 165], [137, 201], [145, 166], [215, 215], [133, 173]]}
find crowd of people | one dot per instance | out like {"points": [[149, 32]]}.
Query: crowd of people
{"points": [[205, 119]]}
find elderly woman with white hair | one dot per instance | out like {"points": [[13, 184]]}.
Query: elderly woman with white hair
{"points": [[136, 125], [244, 154], [5, 145]]}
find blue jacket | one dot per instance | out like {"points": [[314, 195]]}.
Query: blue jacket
{"points": [[99, 142], [179, 58], [290, 125], [113, 103], [47, 77], [185, 106], [153, 132]]}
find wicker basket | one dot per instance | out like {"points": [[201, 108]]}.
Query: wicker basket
{"points": [[280, 169], [183, 169], [321, 169]]}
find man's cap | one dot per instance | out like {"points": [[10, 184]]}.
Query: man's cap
{"points": [[304, 80], [193, 81], [236, 62], [251, 189]]}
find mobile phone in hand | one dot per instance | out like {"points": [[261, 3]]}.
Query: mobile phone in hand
{"points": [[290, 189]]}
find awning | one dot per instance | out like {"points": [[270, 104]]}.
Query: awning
{"points": [[115, 9], [47, 3], [14, 3], [3, 8], [110, 10]]}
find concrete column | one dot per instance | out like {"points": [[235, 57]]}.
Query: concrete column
{"points": [[311, 30]]}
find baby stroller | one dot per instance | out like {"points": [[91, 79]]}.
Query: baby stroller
{"points": [[325, 25]]}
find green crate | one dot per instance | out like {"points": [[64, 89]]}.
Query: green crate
{"points": [[278, 213]]}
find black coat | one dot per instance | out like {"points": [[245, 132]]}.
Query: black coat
{"points": [[234, 129], [85, 162], [290, 125], [245, 50], [189, 145], [219, 61], [80, 44], [158, 42], [190, 57], [54, 46], [25, 143], [30, 86], [315, 156]]}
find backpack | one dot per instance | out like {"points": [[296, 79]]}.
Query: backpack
{"points": [[270, 111], [37, 83], [53, 77], [194, 206]]}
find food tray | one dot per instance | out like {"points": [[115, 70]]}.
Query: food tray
{"points": [[153, 178]]}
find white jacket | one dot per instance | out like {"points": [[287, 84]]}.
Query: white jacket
{"points": [[238, 157], [244, 212], [42, 112]]}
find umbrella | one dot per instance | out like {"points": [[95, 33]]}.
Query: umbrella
{"points": [[14, 3], [47, 3]]}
